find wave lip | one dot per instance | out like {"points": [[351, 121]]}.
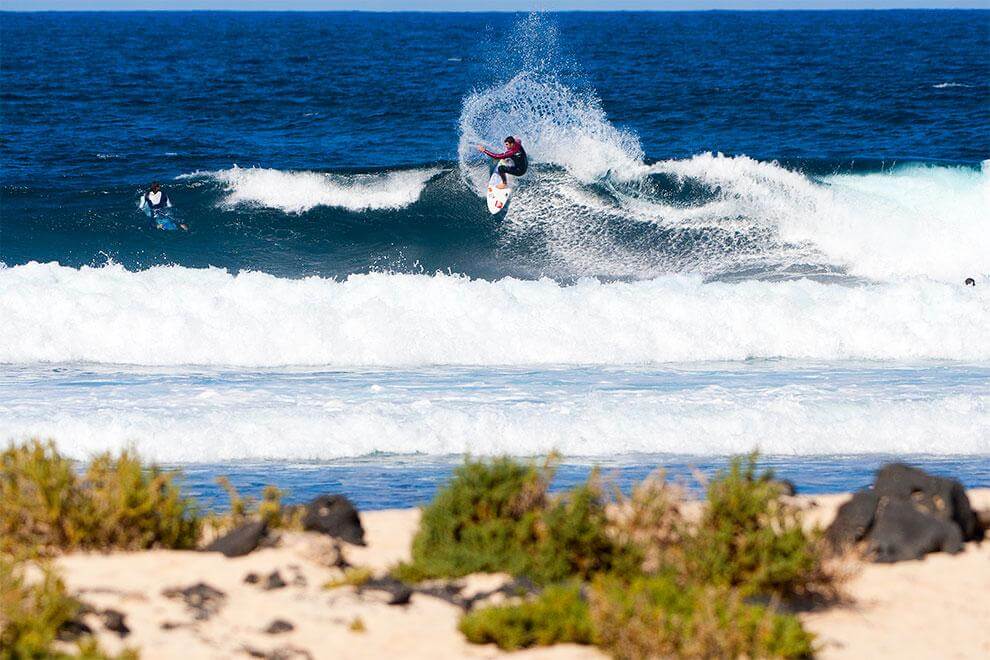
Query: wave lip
{"points": [[181, 316], [298, 192], [909, 221]]}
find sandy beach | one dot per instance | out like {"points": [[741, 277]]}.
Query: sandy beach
{"points": [[936, 607]]}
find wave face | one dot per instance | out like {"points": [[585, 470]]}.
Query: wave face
{"points": [[717, 216], [176, 316], [597, 207], [604, 199]]}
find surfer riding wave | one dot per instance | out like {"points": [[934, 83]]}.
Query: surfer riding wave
{"points": [[515, 153]]}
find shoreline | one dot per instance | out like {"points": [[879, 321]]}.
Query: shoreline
{"points": [[926, 608], [378, 483]]}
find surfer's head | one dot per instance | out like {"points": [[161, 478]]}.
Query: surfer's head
{"points": [[970, 281], [154, 186], [509, 141]]}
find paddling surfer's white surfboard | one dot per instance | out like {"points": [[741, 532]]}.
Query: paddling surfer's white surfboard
{"points": [[498, 197]]}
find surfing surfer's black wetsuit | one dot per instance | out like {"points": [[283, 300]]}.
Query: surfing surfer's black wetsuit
{"points": [[520, 163]]}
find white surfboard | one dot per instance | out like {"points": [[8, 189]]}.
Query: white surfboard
{"points": [[498, 197]]}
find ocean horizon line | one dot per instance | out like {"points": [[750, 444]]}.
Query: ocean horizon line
{"points": [[817, 10]]}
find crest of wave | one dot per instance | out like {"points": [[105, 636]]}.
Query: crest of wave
{"points": [[909, 221], [588, 206], [298, 192]]}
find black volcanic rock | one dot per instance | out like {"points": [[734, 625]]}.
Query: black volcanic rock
{"points": [[853, 521], [273, 581], [114, 622], [907, 514], [72, 630], [241, 540], [279, 626], [399, 592], [202, 600], [335, 516], [941, 497], [902, 532]]}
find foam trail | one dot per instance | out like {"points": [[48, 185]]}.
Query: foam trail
{"points": [[175, 315], [298, 192], [311, 416]]}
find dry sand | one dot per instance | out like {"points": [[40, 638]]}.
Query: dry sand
{"points": [[938, 607]]}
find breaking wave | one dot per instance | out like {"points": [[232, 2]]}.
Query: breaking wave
{"points": [[183, 316], [298, 192], [594, 205]]}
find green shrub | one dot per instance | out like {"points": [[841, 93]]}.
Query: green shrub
{"points": [[496, 516], [649, 520], [31, 614], [750, 539], [137, 507], [558, 615], [573, 539], [42, 503], [117, 503], [658, 616], [480, 521]]}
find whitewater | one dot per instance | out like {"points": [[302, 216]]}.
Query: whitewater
{"points": [[182, 316], [783, 408]]}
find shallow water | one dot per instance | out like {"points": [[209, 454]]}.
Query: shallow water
{"points": [[388, 482], [781, 407]]}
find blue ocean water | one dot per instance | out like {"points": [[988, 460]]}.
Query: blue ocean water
{"points": [[740, 230]]}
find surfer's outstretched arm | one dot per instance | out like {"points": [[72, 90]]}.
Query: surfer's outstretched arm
{"points": [[514, 152]]}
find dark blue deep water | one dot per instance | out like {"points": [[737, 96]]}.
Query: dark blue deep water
{"points": [[738, 230], [95, 106]]}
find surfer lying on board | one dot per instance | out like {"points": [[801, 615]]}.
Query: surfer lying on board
{"points": [[155, 203], [514, 152], [156, 199]]}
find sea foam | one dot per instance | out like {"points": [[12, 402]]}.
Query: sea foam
{"points": [[300, 415], [177, 315], [298, 192], [911, 220]]}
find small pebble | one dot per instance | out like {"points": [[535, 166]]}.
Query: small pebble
{"points": [[274, 581], [279, 626]]}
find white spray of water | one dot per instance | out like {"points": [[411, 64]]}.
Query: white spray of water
{"points": [[913, 220], [557, 125]]}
